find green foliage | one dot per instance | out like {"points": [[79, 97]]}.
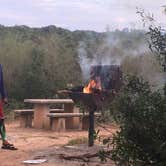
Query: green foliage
{"points": [[141, 116], [140, 112], [103, 155], [96, 134], [33, 79], [39, 61], [156, 38], [157, 43]]}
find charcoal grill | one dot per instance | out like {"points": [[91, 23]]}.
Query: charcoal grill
{"points": [[111, 78], [92, 102]]}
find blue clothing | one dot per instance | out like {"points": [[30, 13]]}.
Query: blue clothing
{"points": [[2, 88]]}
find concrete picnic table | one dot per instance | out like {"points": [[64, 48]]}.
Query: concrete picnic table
{"points": [[41, 109]]}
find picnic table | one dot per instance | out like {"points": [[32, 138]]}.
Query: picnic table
{"points": [[41, 109]]}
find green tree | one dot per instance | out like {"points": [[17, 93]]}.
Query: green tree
{"points": [[141, 115], [156, 39], [34, 83]]}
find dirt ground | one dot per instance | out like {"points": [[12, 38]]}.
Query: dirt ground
{"points": [[49, 145]]}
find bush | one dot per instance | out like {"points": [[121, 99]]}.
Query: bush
{"points": [[141, 115]]}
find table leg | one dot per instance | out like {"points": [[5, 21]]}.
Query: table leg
{"points": [[58, 124], [69, 108], [41, 120], [26, 120]]}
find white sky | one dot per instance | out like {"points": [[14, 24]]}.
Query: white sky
{"points": [[79, 14]]}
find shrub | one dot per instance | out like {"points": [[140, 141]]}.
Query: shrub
{"points": [[141, 115]]}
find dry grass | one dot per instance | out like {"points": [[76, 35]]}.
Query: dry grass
{"points": [[78, 141]]}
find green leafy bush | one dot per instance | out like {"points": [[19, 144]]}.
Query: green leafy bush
{"points": [[141, 115]]}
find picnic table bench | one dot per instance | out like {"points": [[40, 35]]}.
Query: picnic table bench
{"points": [[57, 120], [26, 116], [41, 109]]}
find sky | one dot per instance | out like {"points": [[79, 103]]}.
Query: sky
{"points": [[79, 14]]}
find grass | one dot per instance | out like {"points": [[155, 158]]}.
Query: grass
{"points": [[78, 141]]}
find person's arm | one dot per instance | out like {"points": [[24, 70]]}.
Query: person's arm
{"points": [[2, 87]]}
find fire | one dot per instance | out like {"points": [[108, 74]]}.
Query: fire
{"points": [[93, 85]]}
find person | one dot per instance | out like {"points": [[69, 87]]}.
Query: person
{"points": [[3, 100]]}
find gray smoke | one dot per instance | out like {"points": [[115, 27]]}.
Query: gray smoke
{"points": [[136, 59], [101, 56]]}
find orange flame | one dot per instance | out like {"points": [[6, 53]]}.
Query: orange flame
{"points": [[94, 84]]}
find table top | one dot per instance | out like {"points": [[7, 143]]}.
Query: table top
{"points": [[48, 101]]}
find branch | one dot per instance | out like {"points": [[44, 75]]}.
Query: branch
{"points": [[83, 157]]}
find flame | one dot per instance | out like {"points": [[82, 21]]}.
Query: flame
{"points": [[94, 84]]}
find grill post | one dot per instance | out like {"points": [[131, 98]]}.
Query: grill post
{"points": [[91, 132], [91, 128]]}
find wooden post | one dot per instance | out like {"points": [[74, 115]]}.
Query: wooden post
{"points": [[58, 124], [26, 119], [69, 108], [91, 128], [40, 116]]}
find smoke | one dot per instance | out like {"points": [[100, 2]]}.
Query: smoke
{"points": [[128, 50], [102, 55], [145, 66], [83, 59]]}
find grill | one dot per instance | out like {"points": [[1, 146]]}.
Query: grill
{"points": [[111, 81]]}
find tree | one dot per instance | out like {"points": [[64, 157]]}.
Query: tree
{"points": [[157, 38], [34, 83], [140, 113], [141, 116]]}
